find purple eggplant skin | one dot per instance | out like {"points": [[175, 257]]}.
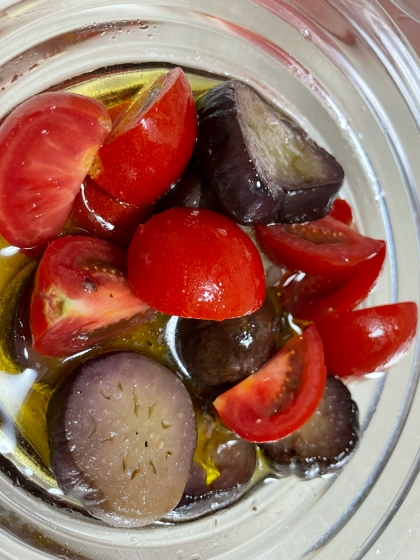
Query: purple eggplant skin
{"points": [[191, 190], [123, 434], [325, 443], [290, 181], [235, 460], [219, 352]]}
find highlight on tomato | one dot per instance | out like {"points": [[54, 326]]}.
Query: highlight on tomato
{"points": [[281, 396], [151, 142], [47, 146], [80, 291], [195, 263], [325, 246], [367, 340]]}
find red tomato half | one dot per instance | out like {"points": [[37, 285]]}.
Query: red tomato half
{"points": [[281, 396], [47, 146], [101, 214], [341, 211], [80, 287], [367, 340], [151, 142], [324, 246], [309, 297], [197, 264]]}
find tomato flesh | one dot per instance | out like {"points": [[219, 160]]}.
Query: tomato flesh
{"points": [[309, 297], [196, 264], [325, 246], [367, 340], [47, 146], [101, 214], [80, 287], [151, 142], [281, 396], [341, 211]]}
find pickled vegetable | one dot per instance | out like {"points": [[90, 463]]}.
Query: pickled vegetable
{"points": [[325, 442], [261, 164], [123, 435]]}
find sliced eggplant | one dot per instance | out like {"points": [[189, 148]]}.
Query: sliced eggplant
{"points": [[263, 166], [219, 352], [191, 190], [222, 468], [123, 435], [325, 442]]}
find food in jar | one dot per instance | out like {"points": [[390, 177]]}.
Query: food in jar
{"points": [[283, 379]]}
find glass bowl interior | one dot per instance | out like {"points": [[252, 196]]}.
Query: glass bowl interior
{"points": [[349, 79]]}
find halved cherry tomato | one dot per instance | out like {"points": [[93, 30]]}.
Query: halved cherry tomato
{"points": [[276, 400], [324, 246], [47, 146], [114, 111], [197, 264], [367, 340], [309, 297], [151, 142], [101, 214], [341, 211], [80, 288]]}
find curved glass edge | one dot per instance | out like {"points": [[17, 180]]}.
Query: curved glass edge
{"points": [[395, 55], [416, 207]]}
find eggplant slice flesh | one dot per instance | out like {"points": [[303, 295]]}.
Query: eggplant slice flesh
{"points": [[123, 435]]}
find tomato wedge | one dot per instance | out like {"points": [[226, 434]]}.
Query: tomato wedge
{"points": [[151, 142], [281, 396], [367, 340], [80, 289], [341, 211], [47, 146], [196, 264], [101, 214], [325, 246], [309, 297]]}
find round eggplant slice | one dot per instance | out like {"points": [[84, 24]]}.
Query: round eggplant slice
{"points": [[222, 468], [262, 165], [325, 442], [218, 352], [123, 435]]}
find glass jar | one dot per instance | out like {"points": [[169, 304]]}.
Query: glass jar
{"points": [[344, 72]]}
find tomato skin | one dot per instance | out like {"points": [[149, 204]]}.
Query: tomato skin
{"points": [[309, 297], [297, 375], [196, 264], [80, 287], [102, 215], [341, 211], [47, 146], [367, 340], [151, 142], [325, 246]]}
